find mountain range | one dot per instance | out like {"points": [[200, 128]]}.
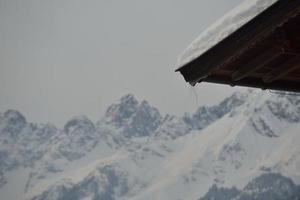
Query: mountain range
{"points": [[246, 147]]}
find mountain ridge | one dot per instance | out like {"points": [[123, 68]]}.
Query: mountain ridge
{"points": [[152, 154]]}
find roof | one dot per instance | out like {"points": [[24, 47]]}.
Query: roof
{"points": [[257, 44]]}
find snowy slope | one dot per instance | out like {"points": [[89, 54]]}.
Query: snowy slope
{"points": [[225, 26], [135, 153]]}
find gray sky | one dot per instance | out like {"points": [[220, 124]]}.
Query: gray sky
{"points": [[60, 58]]}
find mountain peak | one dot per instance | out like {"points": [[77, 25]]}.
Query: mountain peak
{"points": [[136, 119], [205, 115], [231, 102], [128, 99], [144, 121], [122, 110], [14, 123], [14, 116], [146, 107], [79, 123]]}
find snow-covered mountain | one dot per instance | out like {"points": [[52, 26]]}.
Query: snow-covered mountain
{"points": [[135, 153]]}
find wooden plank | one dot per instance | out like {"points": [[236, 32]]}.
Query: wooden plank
{"points": [[282, 70], [256, 63]]}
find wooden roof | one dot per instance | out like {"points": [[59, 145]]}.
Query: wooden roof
{"points": [[264, 53]]}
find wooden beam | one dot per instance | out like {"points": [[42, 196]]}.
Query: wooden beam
{"points": [[256, 63], [282, 85], [282, 70]]}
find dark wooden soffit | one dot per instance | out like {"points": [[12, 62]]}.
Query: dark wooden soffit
{"points": [[264, 53]]}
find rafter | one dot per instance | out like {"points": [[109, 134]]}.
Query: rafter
{"points": [[282, 70], [256, 63]]}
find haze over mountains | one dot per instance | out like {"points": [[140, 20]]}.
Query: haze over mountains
{"points": [[246, 147]]}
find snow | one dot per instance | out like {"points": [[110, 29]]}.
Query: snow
{"points": [[15, 187], [221, 29]]}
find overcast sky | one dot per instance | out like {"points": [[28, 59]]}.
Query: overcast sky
{"points": [[60, 58]]}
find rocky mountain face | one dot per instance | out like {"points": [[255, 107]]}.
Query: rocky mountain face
{"points": [[103, 183], [134, 152], [21, 142], [266, 186], [204, 116], [135, 119]]}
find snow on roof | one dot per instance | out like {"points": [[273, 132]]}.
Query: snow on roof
{"points": [[222, 28]]}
